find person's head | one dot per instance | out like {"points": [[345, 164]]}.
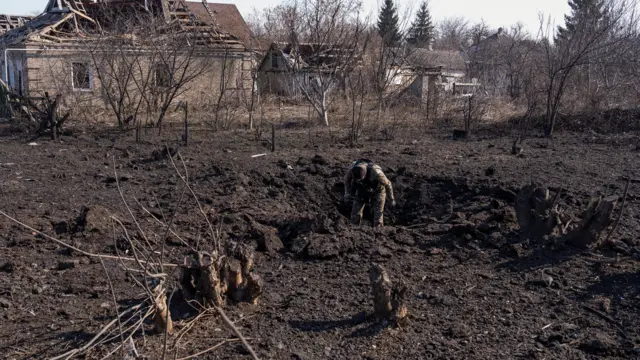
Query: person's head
{"points": [[359, 172]]}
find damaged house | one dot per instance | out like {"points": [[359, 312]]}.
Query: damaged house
{"points": [[420, 71], [285, 67], [93, 51], [9, 22]]}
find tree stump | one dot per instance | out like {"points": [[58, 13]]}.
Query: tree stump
{"points": [[535, 212], [388, 300], [595, 220], [162, 316], [210, 282], [200, 280], [243, 283]]}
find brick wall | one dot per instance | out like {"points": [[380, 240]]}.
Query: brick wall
{"points": [[51, 71]]}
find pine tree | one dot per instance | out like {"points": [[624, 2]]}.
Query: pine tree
{"points": [[421, 31], [586, 15], [388, 24]]}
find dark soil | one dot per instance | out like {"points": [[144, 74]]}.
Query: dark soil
{"points": [[474, 287]]}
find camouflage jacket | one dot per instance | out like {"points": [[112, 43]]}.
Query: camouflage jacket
{"points": [[375, 180]]}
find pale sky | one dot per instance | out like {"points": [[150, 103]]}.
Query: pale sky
{"points": [[495, 13]]}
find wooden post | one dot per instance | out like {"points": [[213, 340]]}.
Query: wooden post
{"points": [[273, 137], [186, 123]]}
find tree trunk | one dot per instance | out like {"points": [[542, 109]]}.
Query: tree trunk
{"points": [[388, 300], [252, 101], [186, 124], [323, 109]]}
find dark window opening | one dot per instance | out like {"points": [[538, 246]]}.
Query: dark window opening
{"points": [[163, 76], [81, 76]]}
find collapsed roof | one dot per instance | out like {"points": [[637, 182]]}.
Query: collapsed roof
{"points": [[448, 60], [73, 21], [323, 57], [10, 22]]}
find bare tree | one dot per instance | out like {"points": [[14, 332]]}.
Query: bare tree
{"points": [[453, 33], [590, 39], [116, 63], [389, 66], [357, 91], [335, 37]]}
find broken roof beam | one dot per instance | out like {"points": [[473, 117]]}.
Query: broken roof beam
{"points": [[46, 29]]}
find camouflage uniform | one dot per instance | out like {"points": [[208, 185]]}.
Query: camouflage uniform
{"points": [[375, 186]]}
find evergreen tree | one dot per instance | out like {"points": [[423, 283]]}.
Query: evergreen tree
{"points": [[586, 15], [388, 24], [421, 31]]}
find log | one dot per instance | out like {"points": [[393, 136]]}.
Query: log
{"points": [[595, 220]]}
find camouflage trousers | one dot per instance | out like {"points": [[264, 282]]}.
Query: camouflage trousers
{"points": [[362, 197]]}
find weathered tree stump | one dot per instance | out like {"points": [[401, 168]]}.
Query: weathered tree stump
{"points": [[535, 212], [243, 283], [388, 300], [162, 317], [538, 217], [201, 280], [210, 283], [595, 220]]}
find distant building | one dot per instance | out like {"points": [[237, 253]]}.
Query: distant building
{"points": [[285, 68], [48, 53], [10, 22]]}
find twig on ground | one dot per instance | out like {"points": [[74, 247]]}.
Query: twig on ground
{"points": [[209, 349], [161, 222], [237, 332], [115, 301], [185, 179], [71, 353], [135, 221], [69, 246], [607, 318], [166, 232], [135, 255], [615, 225]]}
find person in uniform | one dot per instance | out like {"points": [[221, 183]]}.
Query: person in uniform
{"points": [[366, 182]]}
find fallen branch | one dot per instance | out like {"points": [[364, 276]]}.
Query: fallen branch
{"points": [[73, 352], [115, 301], [615, 225], [237, 332], [69, 246], [209, 349], [607, 318]]}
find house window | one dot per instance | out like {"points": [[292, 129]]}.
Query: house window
{"points": [[274, 60], [163, 76], [81, 76]]}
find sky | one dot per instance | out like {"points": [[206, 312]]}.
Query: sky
{"points": [[496, 13]]}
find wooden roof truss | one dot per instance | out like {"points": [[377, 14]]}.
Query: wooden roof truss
{"points": [[60, 23], [9, 22]]}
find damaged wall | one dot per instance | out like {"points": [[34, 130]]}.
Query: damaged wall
{"points": [[52, 71]]}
